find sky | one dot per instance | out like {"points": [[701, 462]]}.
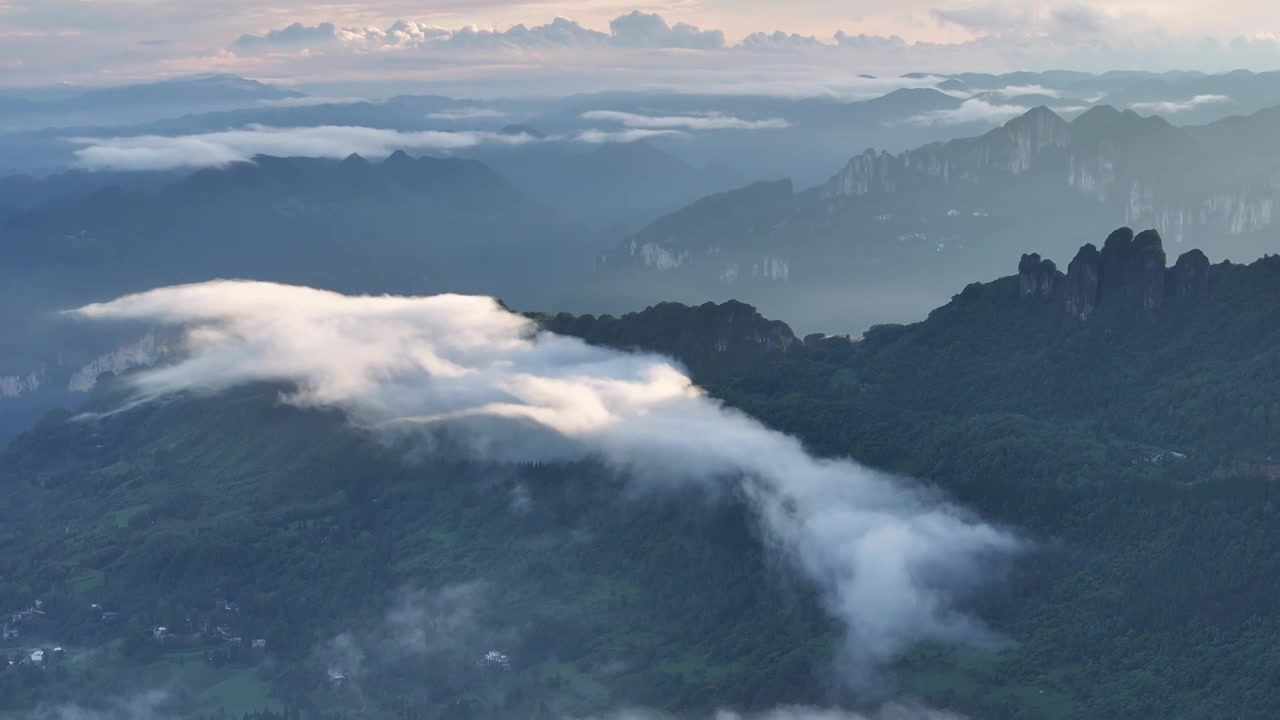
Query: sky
{"points": [[564, 45]]}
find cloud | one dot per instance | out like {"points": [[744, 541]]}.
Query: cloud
{"points": [[419, 625], [472, 113], [406, 34], [1079, 19], [894, 562], [705, 121], [1017, 90], [157, 152], [601, 137], [645, 30], [145, 706], [1172, 107], [293, 37], [972, 111], [780, 42], [311, 101], [987, 18]]}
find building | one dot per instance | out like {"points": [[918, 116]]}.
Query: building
{"points": [[495, 659], [37, 657], [259, 644]]}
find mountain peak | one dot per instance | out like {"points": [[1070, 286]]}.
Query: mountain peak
{"points": [[1126, 280], [399, 158]]}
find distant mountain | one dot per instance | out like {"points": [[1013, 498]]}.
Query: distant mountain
{"points": [[891, 233], [1193, 99], [138, 102], [403, 225], [614, 183]]}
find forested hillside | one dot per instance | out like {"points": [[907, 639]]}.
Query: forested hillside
{"points": [[1120, 416]]}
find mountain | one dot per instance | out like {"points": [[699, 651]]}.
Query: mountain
{"points": [[1201, 99], [137, 102], [886, 237], [403, 225], [1120, 416], [606, 185]]}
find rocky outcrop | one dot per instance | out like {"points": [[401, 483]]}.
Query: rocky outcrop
{"points": [[1084, 276], [1188, 280], [1037, 276], [868, 173], [1007, 150], [1126, 280]]}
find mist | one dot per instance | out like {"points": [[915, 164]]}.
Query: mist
{"points": [[889, 712], [156, 152], [705, 121], [895, 562]]}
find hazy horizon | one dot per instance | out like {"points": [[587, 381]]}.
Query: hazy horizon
{"points": [[509, 48]]}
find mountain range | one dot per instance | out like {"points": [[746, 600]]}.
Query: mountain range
{"points": [[889, 235], [404, 225], [1120, 415]]}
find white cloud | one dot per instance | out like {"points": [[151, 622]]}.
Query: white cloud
{"points": [[704, 121], [601, 137], [157, 152], [1172, 107], [893, 560], [1016, 90], [972, 111], [144, 706], [311, 101], [472, 113], [647, 30]]}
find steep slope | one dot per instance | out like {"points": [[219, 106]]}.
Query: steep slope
{"points": [[890, 234], [404, 225], [1127, 438], [628, 183], [238, 517]]}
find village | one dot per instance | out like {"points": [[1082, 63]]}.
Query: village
{"points": [[11, 634], [217, 633]]}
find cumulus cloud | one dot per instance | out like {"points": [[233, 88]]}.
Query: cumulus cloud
{"points": [[779, 41], [637, 30], [157, 152], [647, 30], [1172, 107], [703, 121], [971, 111], [894, 561]]}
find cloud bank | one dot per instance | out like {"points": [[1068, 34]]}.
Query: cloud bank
{"points": [[158, 152], [894, 562], [705, 121], [1173, 107], [637, 30], [974, 110]]}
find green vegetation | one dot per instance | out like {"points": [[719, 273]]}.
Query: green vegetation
{"points": [[1133, 454]]}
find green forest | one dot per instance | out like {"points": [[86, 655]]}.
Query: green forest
{"points": [[1135, 452]]}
